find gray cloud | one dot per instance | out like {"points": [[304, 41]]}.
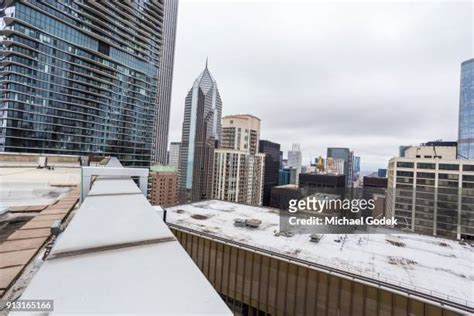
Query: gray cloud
{"points": [[369, 76]]}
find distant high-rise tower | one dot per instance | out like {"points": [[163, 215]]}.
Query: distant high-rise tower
{"points": [[241, 132], [466, 111], [200, 135], [238, 167], [356, 168], [348, 157], [295, 159], [80, 77], [272, 167], [165, 81], [173, 159]]}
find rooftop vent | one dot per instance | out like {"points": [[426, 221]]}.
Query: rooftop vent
{"points": [[284, 234], [253, 222], [239, 222], [199, 216], [315, 238]]}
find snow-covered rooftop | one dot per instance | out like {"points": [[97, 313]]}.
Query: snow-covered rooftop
{"points": [[424, 264], [118, 256]]}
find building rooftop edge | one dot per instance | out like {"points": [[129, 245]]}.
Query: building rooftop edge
{"points": [[467, 61], [460, 161], [241, 115]]}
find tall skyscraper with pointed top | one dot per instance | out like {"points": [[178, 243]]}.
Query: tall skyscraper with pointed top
{"points": [[200, 136]]}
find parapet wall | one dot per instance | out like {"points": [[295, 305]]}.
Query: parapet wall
{"points": [[22, 159]]}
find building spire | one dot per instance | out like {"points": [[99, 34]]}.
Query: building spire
{"points": [[206, 61]]}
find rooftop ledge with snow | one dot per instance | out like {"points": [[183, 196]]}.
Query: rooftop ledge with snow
{"points": [[438, 267]]}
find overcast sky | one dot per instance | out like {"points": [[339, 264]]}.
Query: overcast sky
{"points": [[365, 75]]}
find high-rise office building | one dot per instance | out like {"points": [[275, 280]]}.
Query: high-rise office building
{"points": [[272, 167], [287, 175], [295, 159], [173, 157], [200, 136], [466, 111], [356, 168], [165, 81], [80, 77], [238, 176], [238, 165], [432, 196], [241, 132], [348, 157], [314, 180]]}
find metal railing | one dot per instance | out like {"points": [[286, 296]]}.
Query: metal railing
{"points": [[324, 265]]}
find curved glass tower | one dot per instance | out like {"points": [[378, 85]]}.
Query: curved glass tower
{"points": [[201, 132], [466, 111], [80, 77], [165, 82]]}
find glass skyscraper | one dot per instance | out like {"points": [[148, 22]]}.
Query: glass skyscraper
{"points": [[200, 136], [80, 77], [165, 81], [272, 168], [348, 157], [466, 111]]}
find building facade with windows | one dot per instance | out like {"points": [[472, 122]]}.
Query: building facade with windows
{"points": [[356, 168], [348, 157], [238, 176], [272, 168], [238, 165], [200, 136], [432, 196], [295, 160], [165, 81], [80, 78], [163, 182], [466, 111], [241, 132], [173, 155]]}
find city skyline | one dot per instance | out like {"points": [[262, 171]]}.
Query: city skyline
{"points": [[349, 77], [126, 172]]}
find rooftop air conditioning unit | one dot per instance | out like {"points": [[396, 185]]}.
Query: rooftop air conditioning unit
{"points": [[253, 222], [315, 238], [239, 222]]}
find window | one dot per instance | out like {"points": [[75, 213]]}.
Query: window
{"points": [[403, 164], [444, 166], [468, 167], [425, 175], [404, 174], [448, 176], [422, 165]]}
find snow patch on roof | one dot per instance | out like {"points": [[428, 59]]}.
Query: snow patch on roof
{"points": [[427, 263]]}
